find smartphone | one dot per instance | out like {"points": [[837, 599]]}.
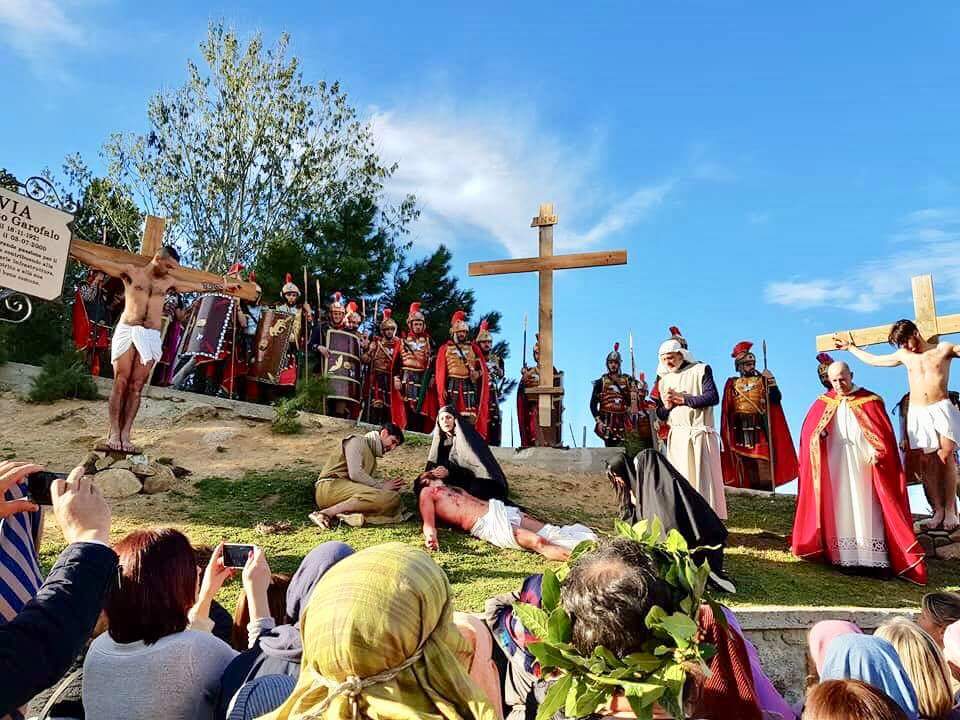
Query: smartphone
{"points": [[235, 555], [38, 486]]}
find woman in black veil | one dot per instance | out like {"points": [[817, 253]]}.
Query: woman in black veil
{"points": [[649, 486], [460, 457]]}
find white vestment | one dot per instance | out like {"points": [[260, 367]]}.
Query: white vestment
{"points": [[693, 445], [859, 519]]}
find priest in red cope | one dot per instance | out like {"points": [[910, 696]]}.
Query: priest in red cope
{"points": [[852, 507]]}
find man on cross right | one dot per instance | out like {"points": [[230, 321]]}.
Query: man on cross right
{"points": [[933, 422]]}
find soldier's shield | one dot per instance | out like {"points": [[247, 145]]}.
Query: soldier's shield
{"points": [[342, 367], [271, 345], [209, 330]]}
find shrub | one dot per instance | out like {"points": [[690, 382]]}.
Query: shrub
{"points": [[63, 376], [312, 394], [285, 419]]}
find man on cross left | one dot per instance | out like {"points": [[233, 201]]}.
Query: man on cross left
{"points": [[136, 340]]}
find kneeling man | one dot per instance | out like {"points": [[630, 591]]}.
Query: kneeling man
{"points": [[490, 520], [347, 490]]}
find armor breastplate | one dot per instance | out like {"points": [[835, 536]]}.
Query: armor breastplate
{"points": [[614, 393], [459, 363], [382, 356], [415, 353], [749, 397]]}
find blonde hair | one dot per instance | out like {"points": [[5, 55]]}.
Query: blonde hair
{"points": [[924, 663]]}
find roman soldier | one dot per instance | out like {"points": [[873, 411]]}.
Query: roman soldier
{"points": [[333, 320], [611, 400], [824, 361], [416, 373], [286, 380], [382, 358], [462, 377], [643, 412], [343, 364], [95, 307], [531, 433], [753, 427], [495, 372], [174, 320]]}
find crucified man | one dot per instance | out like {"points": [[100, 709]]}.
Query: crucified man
{"points": [[136, 344], [933, 422]]}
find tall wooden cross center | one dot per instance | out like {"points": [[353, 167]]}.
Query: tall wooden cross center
{"points": [[544, 264], [930, 325], [151, 241]]}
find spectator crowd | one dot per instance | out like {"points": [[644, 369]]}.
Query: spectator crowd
{"points": [[132, 630]]}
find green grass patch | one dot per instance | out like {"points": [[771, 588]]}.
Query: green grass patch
{"points": [[758, 558]]}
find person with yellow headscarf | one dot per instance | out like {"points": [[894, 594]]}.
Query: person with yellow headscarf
{"points": [[380, 642]]}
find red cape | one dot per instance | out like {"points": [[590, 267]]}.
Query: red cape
{"points": [[86, 336], [398, 414], [785, 457], [526, 418], [814, 526], [483, 396]]}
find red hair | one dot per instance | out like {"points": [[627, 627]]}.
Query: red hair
{"points": [[157, 586]]}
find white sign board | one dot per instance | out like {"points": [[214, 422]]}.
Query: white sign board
{"points": [[34, 245]]}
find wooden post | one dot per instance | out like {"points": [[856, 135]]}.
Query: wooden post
{"points": [[152, 235], [545, 222]]}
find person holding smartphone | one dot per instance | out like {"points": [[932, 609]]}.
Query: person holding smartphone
{"points": [[38, 644]]}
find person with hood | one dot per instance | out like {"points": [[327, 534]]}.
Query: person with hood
{"points": [[460, 457], [278, 650]]}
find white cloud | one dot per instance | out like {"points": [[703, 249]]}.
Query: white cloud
{"points": [[36, 29], [491, 172], [933, 235]]}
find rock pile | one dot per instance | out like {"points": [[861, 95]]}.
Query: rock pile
{"points": [[939, 543], [118, 476]]}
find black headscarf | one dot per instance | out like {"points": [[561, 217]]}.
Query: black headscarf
{"points": [[468, 459]]}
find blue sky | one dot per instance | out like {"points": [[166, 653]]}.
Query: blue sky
{"points": [[774, 172]]}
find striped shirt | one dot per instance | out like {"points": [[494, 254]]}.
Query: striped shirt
{"points": [[20, 576]]}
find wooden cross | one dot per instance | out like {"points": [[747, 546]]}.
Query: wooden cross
{"points": [[544, 264], [930, 325], [152, 240]]}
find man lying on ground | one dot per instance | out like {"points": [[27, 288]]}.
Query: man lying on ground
{"points": [[494, 522]]}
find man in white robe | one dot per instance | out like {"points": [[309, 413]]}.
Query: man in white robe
{"points": [[688, 395]]}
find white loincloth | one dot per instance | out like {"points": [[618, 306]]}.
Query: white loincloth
{"points": [[927, 423], [567, 536], [147, 341], [496, 527]]}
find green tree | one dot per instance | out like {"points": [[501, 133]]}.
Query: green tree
{"points": [[350, 251], [237, 154], [430, 282]]}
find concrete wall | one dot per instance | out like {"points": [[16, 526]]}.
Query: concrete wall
{"points": [[780, 635]]}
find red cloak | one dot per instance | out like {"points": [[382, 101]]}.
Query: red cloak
{"points": [[527, 418], [483, 392], [785, 456], [814, 527], [88, 337], [398, 413]]}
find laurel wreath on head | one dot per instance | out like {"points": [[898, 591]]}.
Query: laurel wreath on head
{"points": [[655, 673]]}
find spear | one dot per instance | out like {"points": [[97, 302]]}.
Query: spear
{"points": [[766, 392], [524, 340], [306, 328]]}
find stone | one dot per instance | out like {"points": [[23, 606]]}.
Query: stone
{"points": [[955, 535], [165, 460], [949, 552], [90, 463], [940, 541], [200, 412], [104, 462], [139, 459], [141, 470], [180, 471], [926, 542], [117, 483], [162, 480], [123, 464]]}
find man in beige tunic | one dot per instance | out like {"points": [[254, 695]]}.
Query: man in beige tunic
{"points": [[688, 394], [347, 490]]}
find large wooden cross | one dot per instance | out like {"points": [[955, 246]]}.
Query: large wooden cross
{"points": [[544, 264], [930, 325], [84, 251]]}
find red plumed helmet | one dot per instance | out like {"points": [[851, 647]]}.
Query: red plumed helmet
{"points": [[741, 348], [483, 335], [458, 323], [414, 313], [675, 331], [337, 303], [824, 359], [289, 286], [388, 320]]}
